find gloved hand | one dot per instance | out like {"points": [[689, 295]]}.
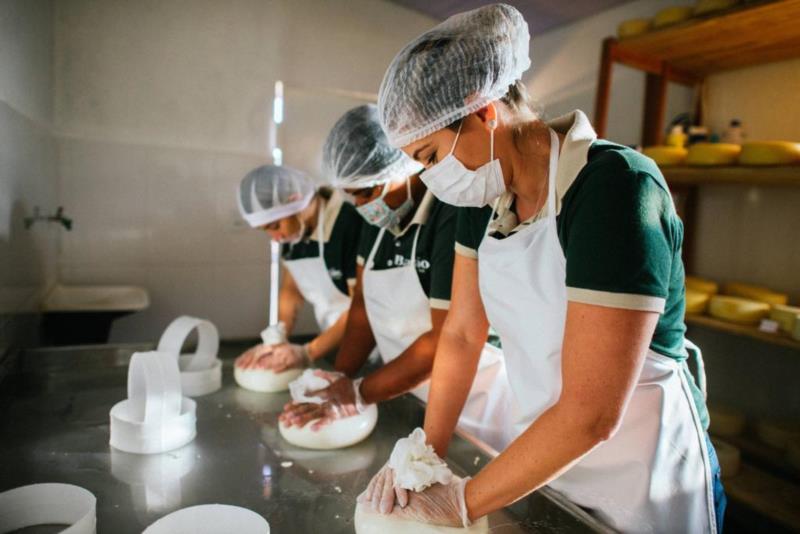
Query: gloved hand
{"points": [[340, 399], [440, 504], [250, 358], [381, 492], [283, 357]]}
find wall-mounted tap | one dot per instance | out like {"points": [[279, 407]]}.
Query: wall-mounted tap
{"points": [[58, 216]]}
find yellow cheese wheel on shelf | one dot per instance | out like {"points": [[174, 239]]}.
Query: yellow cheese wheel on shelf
{"points": [[725, 422], [672, 15], [709, 6], [713, 154], [778, 434], [702, 285], [730, 458], [770, 153], [633, 27], [696, 301], [759, 293], [737, 310], [666, 155], [785, 316]]}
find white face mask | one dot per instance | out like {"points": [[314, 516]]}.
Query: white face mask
{"points": [[456, 185], [378, 213]]}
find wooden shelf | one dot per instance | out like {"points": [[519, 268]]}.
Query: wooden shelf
{"points": [[780, 338], [766, 494], [762, 455], [787, 176], [750, 35]]}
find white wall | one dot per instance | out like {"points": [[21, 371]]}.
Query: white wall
{"points": [[27, 160], [161, 108]]}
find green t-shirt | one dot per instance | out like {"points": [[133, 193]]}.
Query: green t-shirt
{"points": [[436, 224], [621, 238], [343, 227]]}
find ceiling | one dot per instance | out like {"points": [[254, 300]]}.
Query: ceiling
{"points": [[542, 15]]}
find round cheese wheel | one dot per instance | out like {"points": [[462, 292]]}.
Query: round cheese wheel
{"points": [[785, 316], [702, 285], [367, 521], [672, 15], [778, 434], [633, 27], [666, 155], [335, 435], [725, 422], [770, 153], [737, 310], [696, 302], [709, 6], [730, 458], [712, 154], [759, 293], [264, 380]]}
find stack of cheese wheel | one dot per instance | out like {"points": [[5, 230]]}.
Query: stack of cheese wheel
{"points": [[725, 422], [787, 317], [737, 310], [713, 154], [702, 285], [770, 153], [633, 27], [759, 293], [699, 293], [666, 156], [672, 15], [778, 434], [730, 458], [709, 6]]}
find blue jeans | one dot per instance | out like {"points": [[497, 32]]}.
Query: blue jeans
{"points": [[720, 500]]}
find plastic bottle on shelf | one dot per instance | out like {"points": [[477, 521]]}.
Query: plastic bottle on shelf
{"points": [[735, 133]]}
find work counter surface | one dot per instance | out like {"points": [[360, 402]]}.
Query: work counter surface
{"points": [[55, 423]]}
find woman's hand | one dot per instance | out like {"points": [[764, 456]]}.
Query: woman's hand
{"points": [[382, 492], [284, 356], [440, 504], [340, 400], [251, 358]]}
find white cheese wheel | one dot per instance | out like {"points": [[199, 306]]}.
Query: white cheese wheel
{"points": [[770, 153], [367, 521], [335, 435], [264, 380], [778, 434], [785, 316], [759, 293], [696, 302], [730, 458], [737, 310], [725, 422], [712, 154], [633, 27], [666, 155], [702, 285]]}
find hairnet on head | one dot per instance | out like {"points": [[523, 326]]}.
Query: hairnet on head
{"points": [[453, 70], [357, 154], [270, 193]]}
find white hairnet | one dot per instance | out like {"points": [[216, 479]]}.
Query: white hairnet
{"points": [[270, 193], [357, 154], [453, 70]]}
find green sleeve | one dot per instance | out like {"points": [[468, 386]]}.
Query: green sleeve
{"points": [[442, 257], [470, 229], [617, 232]]}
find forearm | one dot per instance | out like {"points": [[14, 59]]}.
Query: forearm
{"points": [[454, 371], [402, 374], [328, 340], [550, 446], [289, 303], [357, 341]]}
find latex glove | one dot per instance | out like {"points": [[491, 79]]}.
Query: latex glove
{"points": [[250, 358], [283, 357], [340, 399], [440, 504], [382, 492]]}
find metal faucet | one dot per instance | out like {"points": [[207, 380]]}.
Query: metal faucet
{"points": [[59, 217]]}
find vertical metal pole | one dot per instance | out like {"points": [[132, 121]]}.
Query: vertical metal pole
{"points": [[275, 153]]}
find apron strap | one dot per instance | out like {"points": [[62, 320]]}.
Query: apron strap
{"points": [[321, 227], [371, 258], [414, 247], [697, 355]]}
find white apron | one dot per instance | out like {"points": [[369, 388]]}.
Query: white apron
{"points": [[314, 282], [399, 312], [653, 475]]}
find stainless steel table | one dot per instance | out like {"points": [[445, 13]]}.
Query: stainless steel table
{"points": [[54, 428]]}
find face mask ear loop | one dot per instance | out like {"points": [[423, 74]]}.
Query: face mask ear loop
{"points": [[385, 189], [408, 188], [455, 141]]}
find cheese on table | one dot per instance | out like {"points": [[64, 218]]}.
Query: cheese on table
{"points": [[770, 153], [696, 301], [785, 316], [730, 458], [713, 154], [778, 434], [702, 285], [737, 310], [709, 6], [725, 421], [672, 15], [759, 293], [633, 27], [666, 155]]}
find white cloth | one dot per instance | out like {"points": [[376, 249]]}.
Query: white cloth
{"points": [[653, 475], [399, 312], [314, 282]]}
